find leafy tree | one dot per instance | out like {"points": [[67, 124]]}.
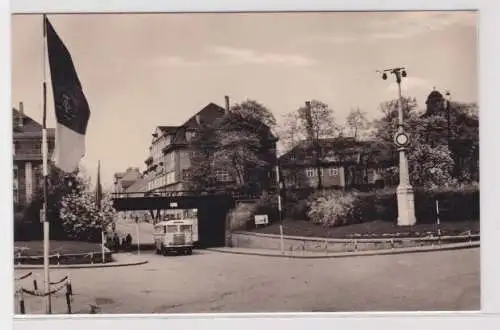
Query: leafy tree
{"points": [[241, 144], [441, 153], [60, 184], [81, 218]]}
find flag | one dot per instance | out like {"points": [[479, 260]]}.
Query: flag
{"points": [[98, 187], [71, 107]]}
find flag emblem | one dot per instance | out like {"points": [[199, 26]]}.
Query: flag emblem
{"points": [[71, 107]]}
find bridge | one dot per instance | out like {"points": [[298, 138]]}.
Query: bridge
{"points": [[213, 208]]}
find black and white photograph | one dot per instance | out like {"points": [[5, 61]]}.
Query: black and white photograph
{"points": [[245, 162]]}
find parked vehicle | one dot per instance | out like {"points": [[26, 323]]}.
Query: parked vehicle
{"points": [[174, 236]]}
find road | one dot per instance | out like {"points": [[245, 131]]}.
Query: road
{"points": [[215, 282]]}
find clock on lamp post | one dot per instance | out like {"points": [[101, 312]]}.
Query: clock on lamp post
{"points": [[405, 196], [401, 139]]}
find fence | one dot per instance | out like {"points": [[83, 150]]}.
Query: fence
{"points": [[63, 283]]}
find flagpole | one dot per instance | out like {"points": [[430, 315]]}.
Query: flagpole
{"points": [[46, 227], [103, 254]]}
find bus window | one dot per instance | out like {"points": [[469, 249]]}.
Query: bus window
{"points": [[171, 229], [185, 228]]}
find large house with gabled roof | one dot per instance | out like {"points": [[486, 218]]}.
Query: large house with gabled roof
{"points": [[27, 156], [169, 160]]}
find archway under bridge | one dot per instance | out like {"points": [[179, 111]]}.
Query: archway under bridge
{"points": [[212, 209]]}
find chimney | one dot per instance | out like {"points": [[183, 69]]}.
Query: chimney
{"points": [[21, 114], [198, 120], [227, 103]]}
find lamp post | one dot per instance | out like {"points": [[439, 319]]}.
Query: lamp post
{"points": [[406, 199]]}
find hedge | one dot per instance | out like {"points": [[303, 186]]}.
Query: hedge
{"points": [[459, 204]]}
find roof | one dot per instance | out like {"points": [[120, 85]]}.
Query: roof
{"points": [[168, 129], [139, 185], [30, 127], [348, 146], [434, 95], [207, 115]]}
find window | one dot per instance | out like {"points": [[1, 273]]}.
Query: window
{"points": [[292, 157], [171, 229], [333, 171], [222, 175], [16, 185], [170, 178], [28, 174], [185, 228], [310, 172]]}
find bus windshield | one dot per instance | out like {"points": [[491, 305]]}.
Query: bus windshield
{"points": [[171, 228], [185, 228]]}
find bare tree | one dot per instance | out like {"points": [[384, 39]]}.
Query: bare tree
{"points": [[357, 122], [311, 123]]}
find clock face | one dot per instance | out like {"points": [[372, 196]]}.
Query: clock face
{"points": [[402, 139]]}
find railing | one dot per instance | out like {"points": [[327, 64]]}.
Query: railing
{"points": [[185, 193]]}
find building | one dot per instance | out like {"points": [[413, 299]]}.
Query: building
{"points": [[124, 180], [344, 163], [27, 156], [169, 154]]}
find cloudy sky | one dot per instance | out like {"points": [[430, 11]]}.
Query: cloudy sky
{"points": [[143, 70]]}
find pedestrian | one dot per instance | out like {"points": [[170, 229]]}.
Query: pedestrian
{"points": [[128, 239], [116, 241]]}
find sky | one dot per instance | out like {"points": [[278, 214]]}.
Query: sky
{"points": [[139, 71]]}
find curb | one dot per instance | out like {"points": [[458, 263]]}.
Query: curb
{"points": [[77, 266], [465, 238], [276, 254]]}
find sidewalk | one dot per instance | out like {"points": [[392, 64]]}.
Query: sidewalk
{"points": [[323, 255], [120, 260]]}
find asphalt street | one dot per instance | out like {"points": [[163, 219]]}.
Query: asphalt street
{"points": [[212, 282]]}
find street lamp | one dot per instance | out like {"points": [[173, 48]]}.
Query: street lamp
{"points": [[406, 198]]}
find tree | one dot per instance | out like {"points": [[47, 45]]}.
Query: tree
{"points": [[240, 144], [60, 184], [357, 122], [81, 218], [430, 159], [310, 124], [322, 121]]}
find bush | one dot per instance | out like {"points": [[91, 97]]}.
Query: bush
{"points": [[331, 208], [296, 205]]}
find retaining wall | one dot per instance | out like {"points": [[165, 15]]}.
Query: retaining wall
{"points": [[313, 244], [66, 259]]}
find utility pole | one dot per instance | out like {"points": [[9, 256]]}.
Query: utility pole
{"points": [[406, 198], [448, 119]]}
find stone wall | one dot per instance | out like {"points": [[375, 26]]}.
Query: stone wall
{"points": [[313, 244]]}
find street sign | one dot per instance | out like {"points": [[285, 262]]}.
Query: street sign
{"points": [[261, 219]]}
